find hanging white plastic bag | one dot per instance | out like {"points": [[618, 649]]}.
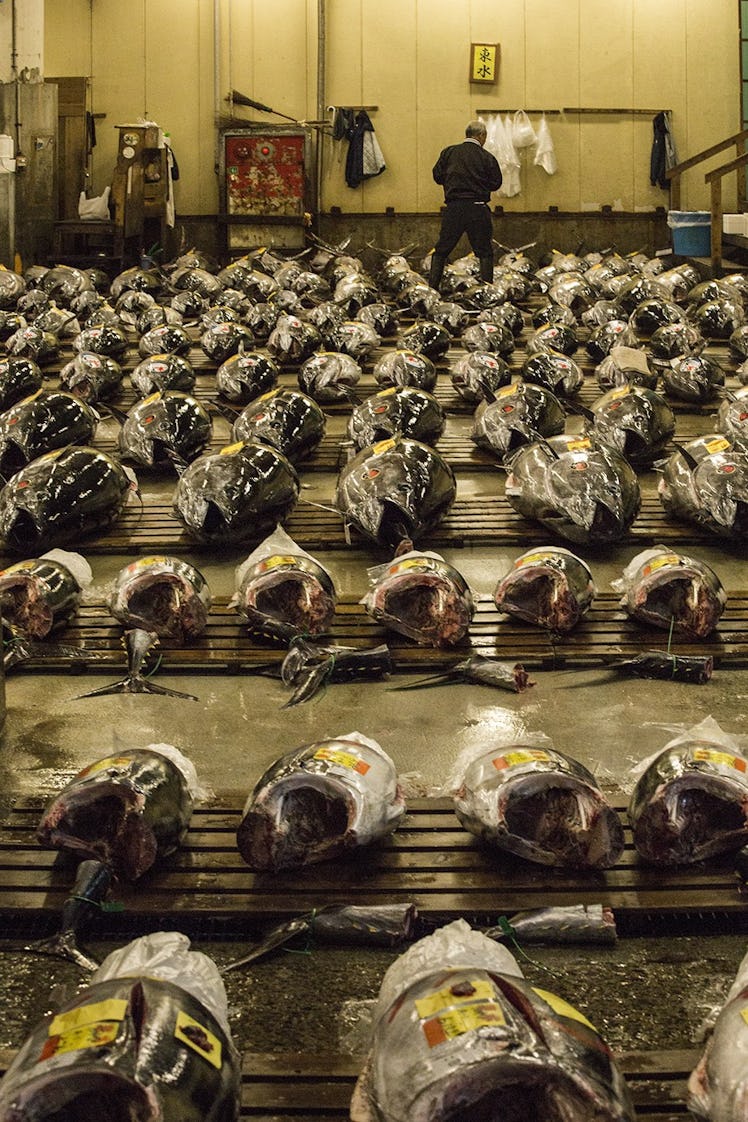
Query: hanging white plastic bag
{"points": [[523, 134], [94, 210], [509, 162], [545, 156]]}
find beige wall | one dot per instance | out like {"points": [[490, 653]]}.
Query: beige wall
{"points": [[155, 59]]}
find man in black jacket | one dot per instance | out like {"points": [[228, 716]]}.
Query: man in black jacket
{"points": [[468, 175]]}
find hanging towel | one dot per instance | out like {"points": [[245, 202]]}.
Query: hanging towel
{"points": [[365, 157], [508, 161], [545, 156]]}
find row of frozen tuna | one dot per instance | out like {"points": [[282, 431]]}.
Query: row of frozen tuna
{"points": [[283, 591], [457, 1033]]}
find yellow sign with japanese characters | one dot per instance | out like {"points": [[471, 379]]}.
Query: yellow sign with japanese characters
{"points": [[484, 62]]}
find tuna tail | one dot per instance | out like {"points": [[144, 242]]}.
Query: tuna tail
{"points": [[223, 410], [117, 414], [91, 885], [138, 643], [20, 649]]}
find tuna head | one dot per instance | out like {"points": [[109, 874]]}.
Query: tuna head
{"points": [[162, 594], [596, 495]]}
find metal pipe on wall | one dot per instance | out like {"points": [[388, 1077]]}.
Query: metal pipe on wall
{"points": [[319, 134]]}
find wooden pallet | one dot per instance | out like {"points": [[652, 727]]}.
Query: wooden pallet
{"points": [[431, 861], [153, 528], [317, 1087], [605, 635]]}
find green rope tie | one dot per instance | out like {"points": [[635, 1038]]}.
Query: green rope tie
{"points": [[506, 928], [104, 906]]}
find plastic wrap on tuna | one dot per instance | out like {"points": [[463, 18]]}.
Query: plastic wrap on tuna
{"points": [[553, 337], [489, 338], [329, 376], [671, 590], [148, 1038], [406, 410], [719, 318], [425, 338], [292, 340], [395, 490], [732, 418], [61, 496], [651, 314], [92, 377], [450, 315], [547, 586], [31, 342], [163, 372], [706, 482], [161, 594], [690, 801], [320, 801], [602, 339], [583, 493], [221, 340], [555, 372], [504, 315], [38, 424], [524, 797], [12, 287], [674, 339], [244, 377], [478, 375], [636, 422], [717, 1085], [420, 595], [19, 377], [236, 495], [379, 316], [282, 590], [516, 415], [354, 338], [405, 368], [692, 378], [286, 419], [165, 428], [458, 1034]]}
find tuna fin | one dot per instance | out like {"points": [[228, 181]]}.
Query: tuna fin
{"points": [[21, 649], [311, 681], [278, 937], [223, 410], [135, 683], [112, 410], [578, 410]]}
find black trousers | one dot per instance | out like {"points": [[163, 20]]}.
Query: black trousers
{"points": [[464, 217]]}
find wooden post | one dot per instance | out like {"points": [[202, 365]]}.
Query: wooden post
{"points": [[716, 226], [675, 192]]}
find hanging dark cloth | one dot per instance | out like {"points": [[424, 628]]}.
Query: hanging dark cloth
{"points": [[364, 157], [662, 148]]}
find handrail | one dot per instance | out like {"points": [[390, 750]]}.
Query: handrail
{"points": [[714, 177], [674, 174]]}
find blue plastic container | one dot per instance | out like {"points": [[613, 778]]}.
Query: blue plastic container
{"points": [[691, 232]]}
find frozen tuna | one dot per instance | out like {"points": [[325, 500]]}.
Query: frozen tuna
{"points": [[405, 410], [281, 590], [706, 481], [318, 802], [395, 490], [458, 1034], [43, 593], [549, 586], [148, 1038], [422, 596], [161, 594], [527, 798], [583, 493], [690, 801], [671, 590], [237, 494]]}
